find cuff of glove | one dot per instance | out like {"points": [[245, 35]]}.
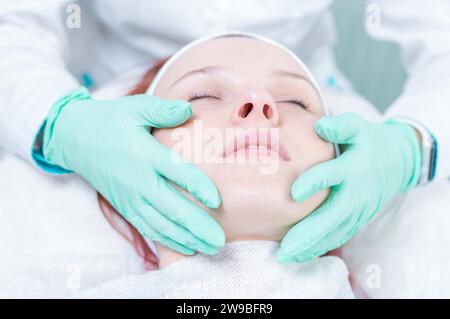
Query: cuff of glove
{"points": [[38, 156], [42, 148]]}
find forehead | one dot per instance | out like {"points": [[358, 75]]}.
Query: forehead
{"points": [[246, 57]]}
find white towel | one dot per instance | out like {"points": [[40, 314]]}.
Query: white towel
{"points": [[246, 269]]}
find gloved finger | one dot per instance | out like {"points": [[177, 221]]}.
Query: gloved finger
{"points": [[335, 239], [151, 111], [185, 213], [173, 231], [340, 129], [187, 176], [318, 225], [151, 233], [319, 177]]}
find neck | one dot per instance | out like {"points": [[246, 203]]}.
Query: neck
{"points": [[167, 256]]}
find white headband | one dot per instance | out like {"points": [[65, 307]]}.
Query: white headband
{"points": [[173, 58]]}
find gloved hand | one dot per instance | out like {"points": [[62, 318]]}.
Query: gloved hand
{"points": [[110, 145], [378, 162]]}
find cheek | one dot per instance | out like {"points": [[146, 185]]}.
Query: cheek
{"points": [[191, 139], [316, 150], [164, 136], [309, 149], [204, 116], [295, 212]]}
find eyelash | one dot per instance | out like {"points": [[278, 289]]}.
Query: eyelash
{"points": [[212, 95], [296, 102], [203, 95]]}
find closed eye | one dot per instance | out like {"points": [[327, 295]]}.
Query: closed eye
{"points": [[295, 102]]}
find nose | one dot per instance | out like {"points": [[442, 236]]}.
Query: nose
{"points": [[255, 108]]}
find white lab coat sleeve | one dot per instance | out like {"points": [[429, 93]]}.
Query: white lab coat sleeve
{"points": [[33, 41], [422, 29]]}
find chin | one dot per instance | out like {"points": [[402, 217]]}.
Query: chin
{"points": [[258, 206], [245, 182], [255, 206]]}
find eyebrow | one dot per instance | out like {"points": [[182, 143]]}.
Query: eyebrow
{"points": [[215, 69], [205, 70], [294, 75]]}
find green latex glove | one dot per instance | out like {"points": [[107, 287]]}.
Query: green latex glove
{"points": [[110, 145], [378, 162]]}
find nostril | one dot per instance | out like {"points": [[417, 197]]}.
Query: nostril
{"points": [[246, 109], [267, 111]]}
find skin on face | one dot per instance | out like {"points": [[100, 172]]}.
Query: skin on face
{"points": [[239, 82]]}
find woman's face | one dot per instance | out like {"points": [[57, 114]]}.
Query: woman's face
{"points": [[252, 131]]}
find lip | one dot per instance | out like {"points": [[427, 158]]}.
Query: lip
{"points": [[256, 141]]}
